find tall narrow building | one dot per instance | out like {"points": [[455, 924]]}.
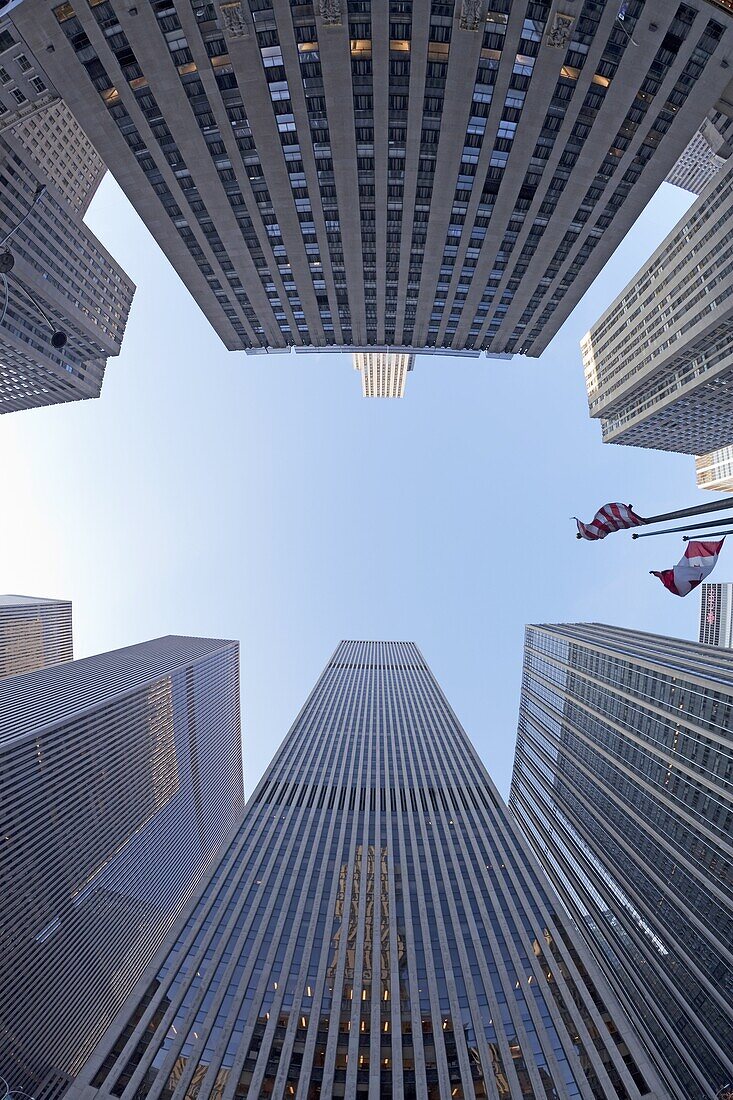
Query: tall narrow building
{"points": [[659, 362], [383, 373], [120, 777], [34, 633], [623, 785], [433, 173], [716, 614], [375, 928]]}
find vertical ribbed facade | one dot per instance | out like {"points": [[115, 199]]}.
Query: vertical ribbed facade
{"points": [[120, 776], [383, 373], [375, 929], [716, 614], [423, 173], [34, 633], [623, 785]]}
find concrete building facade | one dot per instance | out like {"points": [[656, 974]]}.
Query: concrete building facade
{"points": [[383, 373], [34, 633], [31, 108], [716, 614], [709, 149], [659, 362], [60, 280], [375, 929], [120, 778], [715, 470], [623, 785], [342, 174]]}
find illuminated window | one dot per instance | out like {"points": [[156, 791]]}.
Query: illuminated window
{"points": [[438, 51], [361, 47]]}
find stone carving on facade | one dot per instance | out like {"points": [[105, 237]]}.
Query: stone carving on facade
{"points": [[232, 15], [559, 33], [471, 15], [330, 12]]}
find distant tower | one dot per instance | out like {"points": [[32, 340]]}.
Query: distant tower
{"points": [[120, 775], [715, 470], [659, 362], [623, 786], [375, 929], [716, 614], [383, 373], [708, 150], [32, 110], [34, 633]]}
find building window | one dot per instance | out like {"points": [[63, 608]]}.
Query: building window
{"points": [[23, 63]]}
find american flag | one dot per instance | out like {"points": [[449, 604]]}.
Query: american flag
{"points": [[611, 517]]}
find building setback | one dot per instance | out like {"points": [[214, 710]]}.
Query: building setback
{"points": [[659, 362], [622, 785], [333, 173], [34, 633], [716, 614], [383, 373], [375, 928], [83, 293], [120, 777]]}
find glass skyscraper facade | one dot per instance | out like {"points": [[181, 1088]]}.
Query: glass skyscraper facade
{"points": [[120, 777], [623, 785], [375, 928]]}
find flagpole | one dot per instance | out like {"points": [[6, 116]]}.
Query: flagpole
{"points": [[711, 534], [687, 527], [698, 510]]}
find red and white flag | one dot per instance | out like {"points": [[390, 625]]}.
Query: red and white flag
{"points": [[697, 563], [611, 517]]}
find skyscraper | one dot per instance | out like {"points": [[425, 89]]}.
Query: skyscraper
{"points": [[374, 929], [659, 362], [67, 300], [709, 149], [431, 174], [715, 470], [31, 108], [716, 614], [622, 784], [120, 777], [383, 373], [34, 633]]}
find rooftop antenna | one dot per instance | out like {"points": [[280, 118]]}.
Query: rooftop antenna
{"points": [[59, 339]]}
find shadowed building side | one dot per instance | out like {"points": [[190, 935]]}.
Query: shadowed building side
{"points": [[120, 778], [623, 785]]}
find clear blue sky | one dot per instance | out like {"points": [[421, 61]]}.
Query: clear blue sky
{"points": [[263, 499]]}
